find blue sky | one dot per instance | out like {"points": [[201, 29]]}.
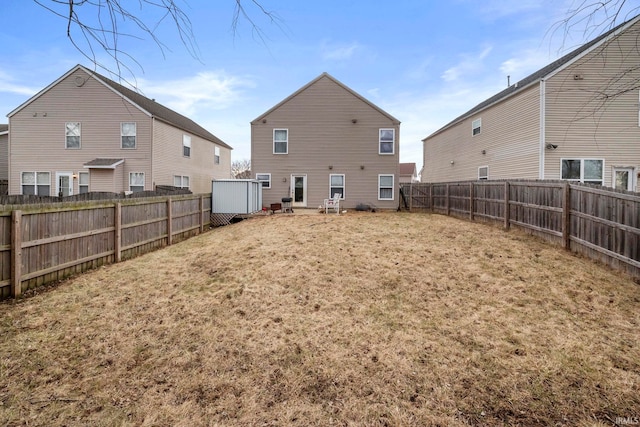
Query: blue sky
{"points": [[424, 62]]}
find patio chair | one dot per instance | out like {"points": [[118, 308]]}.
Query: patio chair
{"points": [[333, 203]]}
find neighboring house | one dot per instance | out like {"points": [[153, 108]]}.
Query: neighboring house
{"points": [[326, 139], [575, 119], [4, 152], [408, 173], [85, 133]]}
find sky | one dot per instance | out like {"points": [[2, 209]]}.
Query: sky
{"points": [[425, 62]]}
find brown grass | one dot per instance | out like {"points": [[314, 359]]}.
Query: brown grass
{"points": [[372, 319]]}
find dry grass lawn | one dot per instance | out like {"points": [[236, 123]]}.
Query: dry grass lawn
{"points": [[364, 319]]}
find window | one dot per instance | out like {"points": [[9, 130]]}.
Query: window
{"points": [[336, 185], [216, 155], [265, 179], [36, 183], [476, 126], [589, 171], [280, 141], [181, 181], [483, 172], [186, 145], [385, 187], [72, 133], [386, 141], [136, 181], [128, 135], [83, 182]]}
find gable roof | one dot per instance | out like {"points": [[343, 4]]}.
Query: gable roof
{"points": [[149, 106], [541, 74], [336, 81]]}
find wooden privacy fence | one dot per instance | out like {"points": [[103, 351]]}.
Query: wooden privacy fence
{"points": [[601, 223], [45, 243]]}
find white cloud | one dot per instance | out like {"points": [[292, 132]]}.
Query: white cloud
{"points": [[467, 65], [338, 52], [8, 85], [211, 90]]}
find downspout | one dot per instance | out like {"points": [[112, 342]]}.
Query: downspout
{"points": [[542, 129]]}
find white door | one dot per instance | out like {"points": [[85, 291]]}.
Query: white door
{"points": [[299, 191], [623, 178], [64, 182]]}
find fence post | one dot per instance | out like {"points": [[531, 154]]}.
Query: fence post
{"points": [[507, 209], [16, 253], [410, 196], [471, 201], [566, 217], [169, 223], [118, 232], [431, 197], [201, 210], [448, 205]]}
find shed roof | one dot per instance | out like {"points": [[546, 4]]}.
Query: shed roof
{"points": [[103, 163], [541, 74]]}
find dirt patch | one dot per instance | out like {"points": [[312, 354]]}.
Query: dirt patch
{"points": [[376, 319]]}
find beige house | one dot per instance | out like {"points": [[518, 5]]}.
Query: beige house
{"points": [[408, 173], [85, 133], [4, 151], [326, 139], [575, 119]]}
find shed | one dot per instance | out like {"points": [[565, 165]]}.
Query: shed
{"points": [[236, 196]]}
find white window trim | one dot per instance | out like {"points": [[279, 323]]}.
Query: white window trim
{"points": [[135, 136], [182, 179], [582, 160], [393, 142], [35, 185], [286, 141], [66, 144], [264, 187], [144, 178], [393, 183], [476, 124], [344, 185], [216, 155], [83, 185], [186, 143], [483, 178]]}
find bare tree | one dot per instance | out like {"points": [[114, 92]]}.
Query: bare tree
{"points": [[241, 169], [99, 26]]}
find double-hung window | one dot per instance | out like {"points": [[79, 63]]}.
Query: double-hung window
{"points": [[385, 187], [386, 141], [476, 127], [589, 171], [186, 145], [136, 181], [36, 183], [72, 135], [128, 135], [181, 181], [83, 182], [280, 141], [336, 185], [265, 179], [216, 155], [483, 173]]}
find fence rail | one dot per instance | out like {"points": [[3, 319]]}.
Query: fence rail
{"points": [[601, 223], [44, 243]]}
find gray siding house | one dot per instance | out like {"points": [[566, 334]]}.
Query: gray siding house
{"points": [[4, 152], [576, 119], [85, 132], [326, 139]]}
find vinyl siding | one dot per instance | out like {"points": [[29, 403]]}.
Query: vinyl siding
{"points": [[37, 139], [509, 137], [4, 156], [322, 134], [168, 159], [577, 120]]}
